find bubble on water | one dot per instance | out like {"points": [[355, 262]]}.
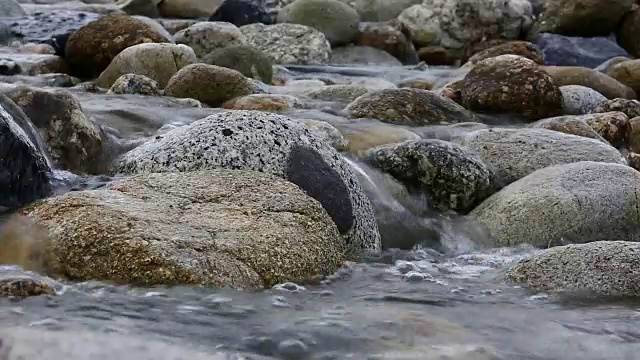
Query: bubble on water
{"points": [[289, 286]]}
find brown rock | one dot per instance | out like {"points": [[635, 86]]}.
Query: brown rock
{"points": [[416, 83], [613, 126], [520, 48], [633, 135], [264, 102], [574, 125], [582, 17], [91, 48], [412, 107], [627, 34], [602, 83], [438, 55], [628, 73], [633, 159], [472, 49], [388, 36], [511, 84], [629, 107]]}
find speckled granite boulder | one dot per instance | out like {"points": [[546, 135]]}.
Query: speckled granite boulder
{"points": [[629, 107], [412, 107], [578, 99], [597, 269], [219, 227], [569, 124], [22, 284], [275, 144], [134, 84], [246, 59], [451, 177], [516, 153], [578, 202], [289, 43], [207, 36]]}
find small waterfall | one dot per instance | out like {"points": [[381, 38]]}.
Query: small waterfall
{"points": [[406, 221]]}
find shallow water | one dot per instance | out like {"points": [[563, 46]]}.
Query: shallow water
{"points": [[423, 303]]}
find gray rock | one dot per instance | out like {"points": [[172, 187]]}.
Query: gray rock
{"points": [[289, 43], [335, 19], [562, 50], [578, 99], [342, 93], [275, 144], [365, 55], [600, 268], [451, 177], [579, 202], [570, 124], [516, 153], [207, 36], [135, 84]]}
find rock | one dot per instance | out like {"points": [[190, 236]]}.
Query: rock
{"points": [[47, 25], [364, 135], [341, 93], [629, 107], [412, 107], [602, 83], [158, 62], [22, 285], [135, 84], [596, 269], [511, 84], [336, 20], [25, 174], [242, 12], [147, 8], [520, 48], [327, 133], [578, 202], [259, 230], [438, 55], [582, 17], [456, 23], [516, 153], [34, 48], [627, 33], [417, 82], [633, 139], [578, 99], [276, 145], [605, 66], [451, 177], [174, 25], [72, 138], [633, 159], [188, 9], [31, 64], [289, 43], [264, 102], [613, 126], [205, 37], [381, 10], [362, 55], [246, 59], [628, 73], [91, 48], [210, 84], [574, 125], [388, 36], [588, 52], [11, 8], [156, 26]]}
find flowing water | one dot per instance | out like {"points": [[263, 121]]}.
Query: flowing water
{"points": [[439, 296]]}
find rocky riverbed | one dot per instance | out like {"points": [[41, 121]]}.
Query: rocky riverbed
{"points": [[319, 179]]}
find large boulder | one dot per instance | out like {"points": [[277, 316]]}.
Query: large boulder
{"points": [[457, 23], [156, 61], [213, 227], [511, 84], [582, 17], [516, 153], [90, 49], [24, 170], [597, 269], [451, 177], [73, 140], [412, 107], [275, 144], [289, 43], [210, 84], [207, 36], [336, 20], [578, 202]]}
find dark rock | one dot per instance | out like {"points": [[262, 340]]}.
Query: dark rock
{"points": [[628, 32], [388, 36], [577, 51], [59, 43], [582, 17], [520, 48], [40, 26], [242, 12], [246, 59], [307, 169], [24, 172], [9, 67]]}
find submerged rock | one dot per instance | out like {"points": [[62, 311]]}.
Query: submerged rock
{"points": [[516, 153], [215, 227], [412, 107], [451, 177], [600, 268], [275, 144], [578, 202]]}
